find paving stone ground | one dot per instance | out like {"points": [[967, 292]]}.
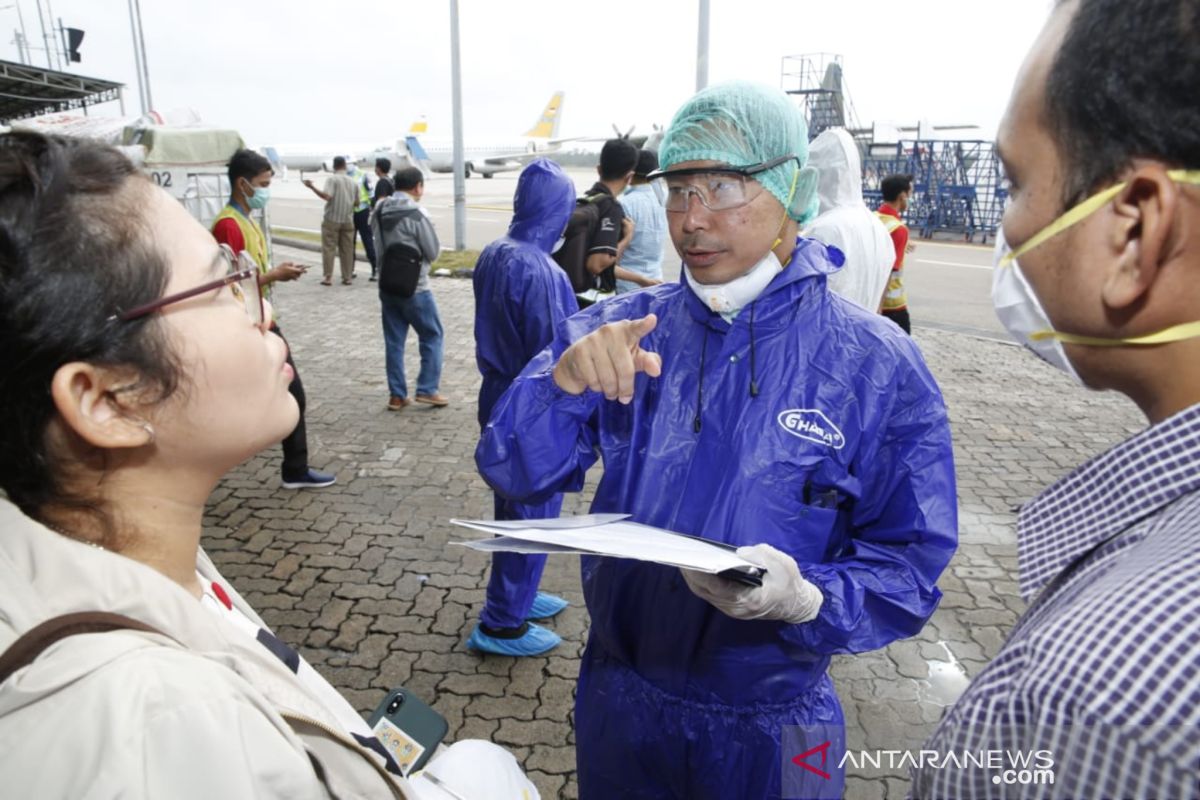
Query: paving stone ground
{"points": [[361, 578]]}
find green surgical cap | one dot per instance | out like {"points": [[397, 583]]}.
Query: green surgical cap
{"points": [[742, 124]]}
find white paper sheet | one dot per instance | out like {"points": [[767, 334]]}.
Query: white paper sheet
{"points": [[608, 535]]}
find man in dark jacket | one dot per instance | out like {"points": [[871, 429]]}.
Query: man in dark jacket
{"points": [[400, 221], [520, 298]]}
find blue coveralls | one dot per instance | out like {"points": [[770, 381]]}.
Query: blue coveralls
{"points": [[520, 296], [842, 460]]}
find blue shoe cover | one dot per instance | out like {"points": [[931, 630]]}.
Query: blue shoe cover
{"points": [[537, 640], [546, 606]]}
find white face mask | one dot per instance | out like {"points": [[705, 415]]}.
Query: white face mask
{"points": [[1018, 308], [727, 299], [1017, 305]]}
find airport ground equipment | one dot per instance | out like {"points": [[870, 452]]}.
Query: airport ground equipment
{"points": [[958, 183], [818, 83]]}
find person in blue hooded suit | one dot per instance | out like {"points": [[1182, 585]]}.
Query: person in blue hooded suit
{"points": [[746, 404], [520, 296]]}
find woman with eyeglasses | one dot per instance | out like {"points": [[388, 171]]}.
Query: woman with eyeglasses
{"points": [[136, 369]]}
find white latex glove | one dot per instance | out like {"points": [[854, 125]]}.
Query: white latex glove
{"points": [[784, 595]]}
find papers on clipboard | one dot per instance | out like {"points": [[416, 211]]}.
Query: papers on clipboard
{"points": [[613, 535]]}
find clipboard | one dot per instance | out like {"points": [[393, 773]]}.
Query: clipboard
{"points": [[614, 536]]}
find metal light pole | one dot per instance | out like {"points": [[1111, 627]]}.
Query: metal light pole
{"points": [[45, 38], [460, 180], [59, 62], [145, 61], [702, 48], [22, 39], [137, 58]]}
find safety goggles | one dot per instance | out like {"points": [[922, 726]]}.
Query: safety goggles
{"points": [[717, 188]]}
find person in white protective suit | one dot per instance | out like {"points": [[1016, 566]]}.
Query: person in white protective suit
{"points": [[845, 222]]}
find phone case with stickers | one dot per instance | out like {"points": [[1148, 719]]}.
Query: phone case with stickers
{"points": [[408, 729]]}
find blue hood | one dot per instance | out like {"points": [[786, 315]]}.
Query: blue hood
{"points": [[542, 205]]}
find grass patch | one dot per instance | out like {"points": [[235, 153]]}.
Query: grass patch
{"points": [[455, 259], [449, 259]]}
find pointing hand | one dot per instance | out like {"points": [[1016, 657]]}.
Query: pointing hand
{"points": [[608, 359]]}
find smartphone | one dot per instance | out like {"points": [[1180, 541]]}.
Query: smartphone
{"points": [[408, 729]]}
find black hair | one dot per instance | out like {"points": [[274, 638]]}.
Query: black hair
{"points": [[247, 164], [339, 162], [894, 185], [1122, 86], [384, 165], [647, 162], [73, 252], [408, 179], [618, 157]]}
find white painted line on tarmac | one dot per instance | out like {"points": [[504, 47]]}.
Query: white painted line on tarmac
{"points": [[963, 246], [949, 263]]}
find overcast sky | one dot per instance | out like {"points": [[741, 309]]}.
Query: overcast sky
{"points": [[360, 71]]}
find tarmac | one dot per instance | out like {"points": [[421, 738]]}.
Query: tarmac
{"points": [[361, 577]]}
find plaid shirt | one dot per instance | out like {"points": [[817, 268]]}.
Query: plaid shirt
{"points": [[1103, 670]]}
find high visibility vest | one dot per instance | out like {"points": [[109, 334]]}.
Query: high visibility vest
{"points": [[894, 297], [252, 235], [364, 193]]}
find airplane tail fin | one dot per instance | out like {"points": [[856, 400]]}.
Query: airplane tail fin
{"points": [[416, 153], [419, 126], [276, 162], [547, 125]]}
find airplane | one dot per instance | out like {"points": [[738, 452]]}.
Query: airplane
{"points": [[312, 157], [487, 160]]}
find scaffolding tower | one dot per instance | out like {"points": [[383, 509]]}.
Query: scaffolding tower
{"points": [[817, 80], [958, 184]]}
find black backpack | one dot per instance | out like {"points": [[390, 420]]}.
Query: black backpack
{"points": [[401, 260], [400, 270], [577, 239]]}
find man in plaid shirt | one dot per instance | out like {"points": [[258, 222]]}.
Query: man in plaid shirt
{"points": [[1098, 272]]}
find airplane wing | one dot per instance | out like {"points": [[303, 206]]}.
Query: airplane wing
{"points": [[499, 159]]}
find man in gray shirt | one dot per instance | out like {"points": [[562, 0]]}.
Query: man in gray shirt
{"points": [[337, 229], [407, 244]]}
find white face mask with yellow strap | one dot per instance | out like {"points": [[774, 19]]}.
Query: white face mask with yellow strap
{"points": [[1017, 305], [728, 298]]}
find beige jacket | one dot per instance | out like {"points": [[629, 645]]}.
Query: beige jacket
{"points": [[126, 714]]}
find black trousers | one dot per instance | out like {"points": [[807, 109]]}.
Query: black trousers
{"points": [[900, 318], [363, 227], [295, 446]]}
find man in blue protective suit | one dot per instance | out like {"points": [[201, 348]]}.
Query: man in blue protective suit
{"points": [[747, 404], [521, 295]]}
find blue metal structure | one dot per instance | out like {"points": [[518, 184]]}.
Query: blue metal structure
{"points": [[959, 187], [958, 184]]}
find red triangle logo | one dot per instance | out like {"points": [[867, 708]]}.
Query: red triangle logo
{"points": [[823, 749]]}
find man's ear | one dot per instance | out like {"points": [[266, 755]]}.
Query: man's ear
{"points": [[1145, 210], [85, 397]]}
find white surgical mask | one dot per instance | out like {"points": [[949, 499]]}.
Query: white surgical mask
{"points": [[1019, 310], [1017, 305], [558, 244], [727, 299]]}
